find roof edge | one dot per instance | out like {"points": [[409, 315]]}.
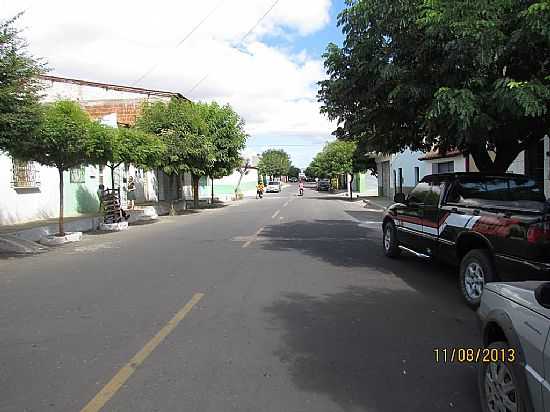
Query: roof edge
{"points": [[109, 86]]}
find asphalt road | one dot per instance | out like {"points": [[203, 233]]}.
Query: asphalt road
{"points": [[282, 304]]}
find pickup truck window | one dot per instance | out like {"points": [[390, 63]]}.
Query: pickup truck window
{"points": [[471, 189], [432, 198], [419, 193], [483, 189], [525, 189]]}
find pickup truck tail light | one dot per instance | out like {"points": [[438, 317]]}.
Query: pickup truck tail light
{"points": [[539, 232]]}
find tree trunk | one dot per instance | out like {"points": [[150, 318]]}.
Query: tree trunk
{"points": [[350, 186], [211, 178], [112, 177], [61, 221], [237, 188], [504, 156], [196, 180]]}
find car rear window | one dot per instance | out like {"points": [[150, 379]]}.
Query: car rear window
{"points": [[495, 189]]}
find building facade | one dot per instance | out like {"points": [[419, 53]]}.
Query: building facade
{"points": [[29, 191], [399, 173]]}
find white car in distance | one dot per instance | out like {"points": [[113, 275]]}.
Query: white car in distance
{"points": [[273, 186]]}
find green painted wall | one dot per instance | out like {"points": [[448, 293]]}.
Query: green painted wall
{"points": [[360, 182], [81, 198], [205, 188]]}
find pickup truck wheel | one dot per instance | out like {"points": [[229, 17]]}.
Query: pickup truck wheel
{"points": [[476, 269], [499, 383], [389, 240]]}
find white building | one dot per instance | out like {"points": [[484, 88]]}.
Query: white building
{"points": [[400, 172], [30, 192]]}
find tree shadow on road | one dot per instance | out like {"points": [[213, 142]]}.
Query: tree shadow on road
{"points": [[372, 348], [343, 243]]}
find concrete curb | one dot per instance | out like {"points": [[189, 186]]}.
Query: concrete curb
{"points": [[36, 233], [52, 240]]}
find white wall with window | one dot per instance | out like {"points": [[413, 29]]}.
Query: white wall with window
{"points": [[28, 191], [404, 167], [437, 164]]}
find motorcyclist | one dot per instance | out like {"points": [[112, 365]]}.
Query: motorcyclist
{"points": [[260, 190], [301, 187]]}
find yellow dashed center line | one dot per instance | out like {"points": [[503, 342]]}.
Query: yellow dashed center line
{"points": [[253, 237], [109, 390]]}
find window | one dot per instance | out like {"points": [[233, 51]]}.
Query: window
{"points": [[525, 189], [416, 175], [432, 199], [495, 190], [419, 193], [444, 167], [484, 189], [77, 174], [25, 175]]}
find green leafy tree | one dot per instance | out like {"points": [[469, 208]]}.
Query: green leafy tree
{"points": [[228, 139], [19, 86], [429, 74], [337, 158], [274, 163], [133, 146], [67, 138], [184, 131], [293, 171]]}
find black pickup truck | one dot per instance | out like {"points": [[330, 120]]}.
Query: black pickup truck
{"points": [[493, 227]]}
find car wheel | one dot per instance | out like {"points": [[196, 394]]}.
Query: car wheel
{"points": [[498, 383], [476, 269], [389, 240]]}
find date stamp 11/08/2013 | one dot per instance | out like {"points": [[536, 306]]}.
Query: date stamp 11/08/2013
{"points": [[474, 355]]}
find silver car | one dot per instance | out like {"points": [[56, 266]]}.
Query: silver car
{"points": [[514, 369], [273, 186]]}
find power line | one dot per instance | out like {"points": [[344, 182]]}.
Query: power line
{"points": [[240, 41], [152, 68], [259, 21]]}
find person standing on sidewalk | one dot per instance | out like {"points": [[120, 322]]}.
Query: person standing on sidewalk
{"points": [[131, 192]]}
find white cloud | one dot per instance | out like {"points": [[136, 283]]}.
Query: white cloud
{"points": [[117, 41]]}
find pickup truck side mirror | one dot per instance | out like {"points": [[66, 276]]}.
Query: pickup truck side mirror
{"points": [[399, 198], [542, 295]]}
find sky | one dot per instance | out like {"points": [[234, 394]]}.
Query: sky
{"points": [[268, 75]]}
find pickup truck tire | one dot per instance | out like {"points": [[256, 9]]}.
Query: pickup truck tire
{"points": [[389, 240], [499, 383], [476, 269]]}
